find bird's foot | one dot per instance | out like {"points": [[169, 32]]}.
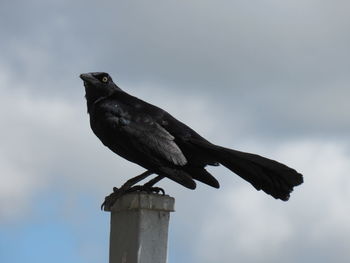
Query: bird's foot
{"points": [[112, 198], [147, 189], [119, 192]]}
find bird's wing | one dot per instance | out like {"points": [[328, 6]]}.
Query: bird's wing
{"points": [[152, 139]]}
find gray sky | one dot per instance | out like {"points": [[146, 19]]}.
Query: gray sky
{"points": [[269, 77]]}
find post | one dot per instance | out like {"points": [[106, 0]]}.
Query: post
{"points": [[139, 228]]}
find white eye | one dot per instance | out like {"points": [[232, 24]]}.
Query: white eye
{"points": [[104, 79]]}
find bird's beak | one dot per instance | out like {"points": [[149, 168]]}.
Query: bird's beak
{"points": [[87, 77]]}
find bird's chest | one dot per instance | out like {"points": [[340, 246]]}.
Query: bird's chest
{"points": [[109, 129], [106, 128], [107, 122]]}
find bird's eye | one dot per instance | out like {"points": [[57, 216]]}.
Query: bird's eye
{"points": [[104, 79]]}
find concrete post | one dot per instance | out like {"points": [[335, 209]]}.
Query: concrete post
{"points": [[139, 228]]}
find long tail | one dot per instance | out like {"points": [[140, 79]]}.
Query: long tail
{"points": [[272, 177]]}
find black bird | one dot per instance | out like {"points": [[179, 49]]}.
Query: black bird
{"points": [[149, 136]]}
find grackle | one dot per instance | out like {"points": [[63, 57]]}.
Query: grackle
{"points": [[149, 136]]}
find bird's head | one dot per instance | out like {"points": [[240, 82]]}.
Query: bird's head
{"points": [[97, 85]]}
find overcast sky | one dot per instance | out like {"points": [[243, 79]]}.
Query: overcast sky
{"points": [[270, 77]]}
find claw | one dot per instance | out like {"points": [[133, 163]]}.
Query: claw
{"points": [[119, 192], [112, 198], [157, 190], [147, 189]]}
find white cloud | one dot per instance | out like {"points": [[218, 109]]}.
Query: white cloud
{"points": [[250, 227], [30, 137], [235, 71], [16, 188]]}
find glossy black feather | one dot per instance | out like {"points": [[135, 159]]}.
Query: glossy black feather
{"points": [[149, 136]]}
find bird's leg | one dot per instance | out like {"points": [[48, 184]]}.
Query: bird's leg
{"points": [[129, 183], [118, 192], [153, 181], [148, 187]]}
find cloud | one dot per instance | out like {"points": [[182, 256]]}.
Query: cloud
{"points": [[312, 226], [282, 67], [248, 75], [28, 145]]}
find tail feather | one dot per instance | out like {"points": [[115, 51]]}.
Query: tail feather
{"points": [[202, 175], [178, 176], [272, 177]]}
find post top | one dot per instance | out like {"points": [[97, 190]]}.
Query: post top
{"points": [[140, 200]]}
